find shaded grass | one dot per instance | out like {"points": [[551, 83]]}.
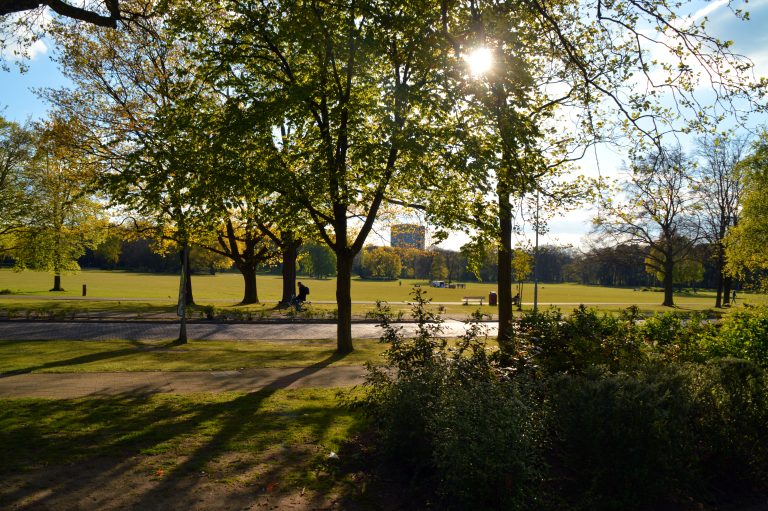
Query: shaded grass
{"points": [[112, 356], [183, 434]]}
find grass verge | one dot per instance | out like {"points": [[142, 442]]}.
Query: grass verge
{"points": [[111, 356]]}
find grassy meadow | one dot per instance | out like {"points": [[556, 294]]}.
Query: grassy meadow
{"points": [[152, 293]]}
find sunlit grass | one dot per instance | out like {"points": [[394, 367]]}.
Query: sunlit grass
{"points": [[116, 291], [182, 434]]}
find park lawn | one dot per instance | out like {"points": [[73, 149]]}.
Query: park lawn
{"points": [[148, 294], [167, 451], [62, 356]]}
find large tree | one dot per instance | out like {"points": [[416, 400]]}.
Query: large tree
{"points": [[349, 84], [720, 187], [137, 92], [63, 219], [16, 150], [746, 242], [658, 210], [598, 61]]}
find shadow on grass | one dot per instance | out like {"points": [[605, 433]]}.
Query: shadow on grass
{"points": [[77, 448], [82, 359]]}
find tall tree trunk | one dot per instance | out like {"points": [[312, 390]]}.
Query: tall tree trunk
{"points": [[250, 294], [187, 272], [344, 260], [505, 280], [669, 266], [182, 303], [57, 282], [290, 247]]}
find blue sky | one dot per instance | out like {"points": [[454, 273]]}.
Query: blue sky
{"points": [[18, 101]]}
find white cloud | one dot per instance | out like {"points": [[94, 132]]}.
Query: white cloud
{"points": [[21, 28]]}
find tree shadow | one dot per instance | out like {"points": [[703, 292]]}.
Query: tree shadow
{"points": [[82, 359], [114, 435]]}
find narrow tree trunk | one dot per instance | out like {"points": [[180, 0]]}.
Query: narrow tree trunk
{"points": [[57, 283], [669, 266], [344, 260], [250, 294], [505, 280], [290, 248]]}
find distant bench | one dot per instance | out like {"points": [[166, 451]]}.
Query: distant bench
{"points": [[478, 299]]}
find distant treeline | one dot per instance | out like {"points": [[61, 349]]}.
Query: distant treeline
{"points": [[623, 265]]}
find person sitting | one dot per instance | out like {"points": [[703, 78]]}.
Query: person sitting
{"points": [[516, 299]]}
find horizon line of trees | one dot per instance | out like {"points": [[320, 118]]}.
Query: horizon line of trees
{"points": [[624, 265]]}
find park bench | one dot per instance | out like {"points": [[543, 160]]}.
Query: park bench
{"points": [[478, 299]]}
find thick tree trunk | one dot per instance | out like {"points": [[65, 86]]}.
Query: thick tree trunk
{"points": [[344, 301], [57, 283], [250, 294], [187, 272], [183, 293], [505, 280], [669, 266], [290, 248]]}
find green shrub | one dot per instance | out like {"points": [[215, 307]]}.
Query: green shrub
{"points": [[676, 337], [732, 422], [446, 416], [622, 441], [620, 423], [485, 446], [556, 343], [743, 334]]}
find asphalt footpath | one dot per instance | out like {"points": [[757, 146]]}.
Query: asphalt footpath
{"points": [[78, 385]]}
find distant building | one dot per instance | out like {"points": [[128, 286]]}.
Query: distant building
{"points": [[408, 236]]}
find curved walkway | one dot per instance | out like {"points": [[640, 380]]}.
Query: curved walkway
{"points": [[149, 331], [76, 385]]}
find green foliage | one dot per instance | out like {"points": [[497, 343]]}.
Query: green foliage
{"points": [[732, 396], [685, 271], [620, 424], [742, 334], [447, 411], [63, 219], [746, 242], [380, 263], [553, 342], [623, 440], [318, 261]]}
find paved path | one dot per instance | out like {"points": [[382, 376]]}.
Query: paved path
{"points": [[148, 331], [74, 385]]}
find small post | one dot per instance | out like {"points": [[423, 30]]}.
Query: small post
{"points": [[84, 290]]}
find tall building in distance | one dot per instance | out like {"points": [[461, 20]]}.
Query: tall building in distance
{"points": [[408, 236]]}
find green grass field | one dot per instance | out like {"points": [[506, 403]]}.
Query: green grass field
{"points": [[149, 293]]}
